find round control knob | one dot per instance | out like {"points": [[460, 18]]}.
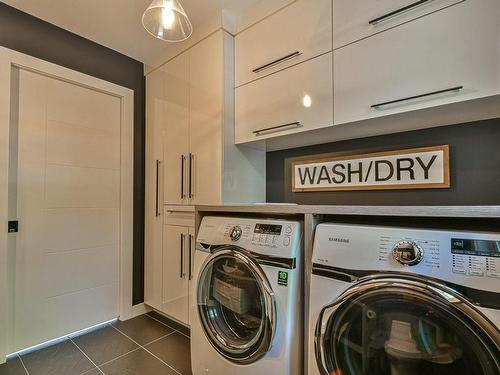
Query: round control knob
{"points": [[236, 233], [408, 253]]}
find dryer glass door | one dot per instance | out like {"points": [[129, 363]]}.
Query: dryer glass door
{"points": [[405, 326], [236, 305]]}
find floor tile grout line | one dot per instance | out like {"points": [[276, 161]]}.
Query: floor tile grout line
{"points": [[120, 356], [140, 345], [24, 366], [162, 361], [85, 354], [166, 325], [159, 321], [159, 338]]}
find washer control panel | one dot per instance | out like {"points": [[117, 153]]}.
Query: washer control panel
{"points": [[460, 257]]}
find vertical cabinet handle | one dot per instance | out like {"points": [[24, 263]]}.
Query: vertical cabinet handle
{"points": [[191, 157], [182, 256], [191, 238], [183, 160], [157, 194]]}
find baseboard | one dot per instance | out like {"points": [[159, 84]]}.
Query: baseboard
{"points": [[140, 309]]}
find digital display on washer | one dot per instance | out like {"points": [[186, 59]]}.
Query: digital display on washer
{"points": [[484, 248], [268, 229]]}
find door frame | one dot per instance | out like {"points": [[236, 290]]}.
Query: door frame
{"points": [[9, 60]]}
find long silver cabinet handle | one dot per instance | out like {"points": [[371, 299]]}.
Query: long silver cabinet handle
{"points": [[183, 160], [451, 89], [157, 193], [278, 128], [398, 11], [277, 61], [191, 157], [182, 256], [191, 237]]}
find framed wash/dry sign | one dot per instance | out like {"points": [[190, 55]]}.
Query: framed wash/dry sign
{"points": [[416, 168]]}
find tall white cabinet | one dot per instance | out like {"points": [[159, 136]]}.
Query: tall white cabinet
{"points": [[191, 160]]}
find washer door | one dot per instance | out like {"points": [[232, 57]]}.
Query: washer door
{"points": [[389, 325], [236, 305]]}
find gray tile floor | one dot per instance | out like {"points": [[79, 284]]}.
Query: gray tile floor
{"points": [[146, 345]]}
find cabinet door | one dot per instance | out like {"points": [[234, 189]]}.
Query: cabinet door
{"points": [[457, 47], [176, 134], [357, 19], [153, 196], [294, 100], [296, 33], [205, 126], [175, 272]]}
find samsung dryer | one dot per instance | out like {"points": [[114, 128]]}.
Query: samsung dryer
{"points": [[246, 313], [396, 301]]}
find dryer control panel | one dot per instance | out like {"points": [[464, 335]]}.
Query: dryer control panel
{"points": [[464, 258], [274, 237]]}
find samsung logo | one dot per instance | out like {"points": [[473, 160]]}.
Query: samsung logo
{"points": [[337, 239]]}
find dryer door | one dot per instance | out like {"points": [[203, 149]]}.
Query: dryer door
{"points": [[392, 325], [236, 305]]}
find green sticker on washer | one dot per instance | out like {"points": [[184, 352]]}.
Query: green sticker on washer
{"points": [[283, 278]]}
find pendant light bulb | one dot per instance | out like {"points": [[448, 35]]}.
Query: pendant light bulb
{"points": [[167, 20], [167, 15]]}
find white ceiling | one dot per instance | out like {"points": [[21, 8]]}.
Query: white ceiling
{"points": [[117, 23]]}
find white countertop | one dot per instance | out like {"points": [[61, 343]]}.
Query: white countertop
{"points": [[422, 211]]}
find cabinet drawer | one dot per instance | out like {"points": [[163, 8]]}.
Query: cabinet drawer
{"points": [[294, 100], [418, 64], [357, 19], [179, 215], [296, 33]]}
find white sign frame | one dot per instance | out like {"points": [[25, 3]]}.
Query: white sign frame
{"points": [[425, 168]]}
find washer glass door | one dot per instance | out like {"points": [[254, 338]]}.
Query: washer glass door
{"points": [[397, 326], [236, 305]]}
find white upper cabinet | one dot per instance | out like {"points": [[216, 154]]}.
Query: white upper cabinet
{"points": [[293, 100], [174, 126], [294, 34], [357, 19], [192, 157], [449, 56], [205, 157]]}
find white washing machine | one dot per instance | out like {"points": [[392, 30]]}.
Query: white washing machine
{"points": [[394, 301], [246, 308]]}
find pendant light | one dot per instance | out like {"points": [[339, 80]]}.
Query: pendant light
{"points": [[167, 20]]}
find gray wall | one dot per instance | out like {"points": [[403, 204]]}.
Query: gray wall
{"points": [[474, 159], [24, 33]]}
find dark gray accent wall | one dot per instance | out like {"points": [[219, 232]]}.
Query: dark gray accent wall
{"points": [[24, 33], [474, 159]]}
